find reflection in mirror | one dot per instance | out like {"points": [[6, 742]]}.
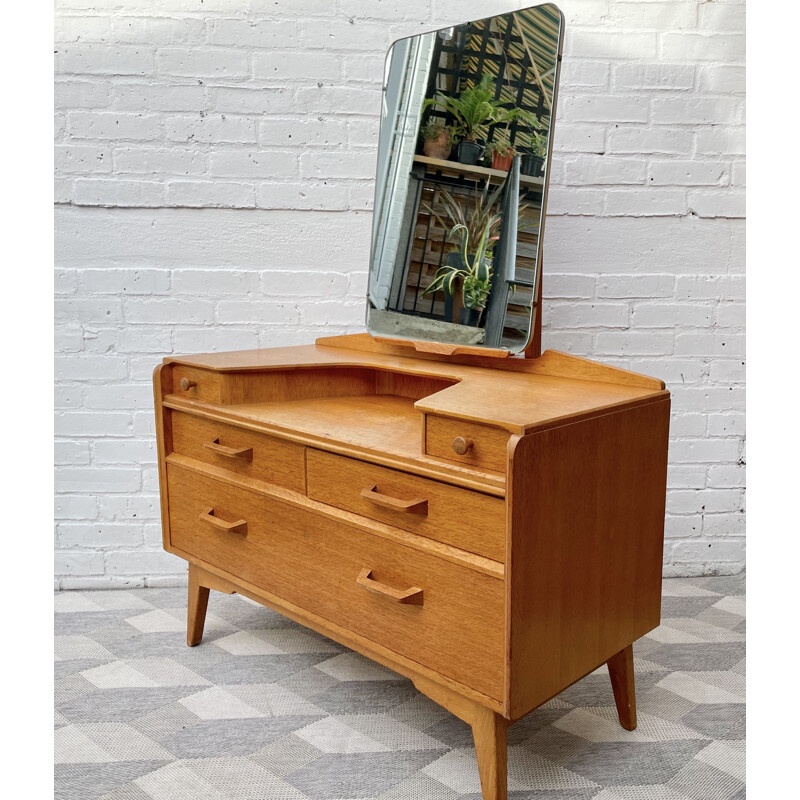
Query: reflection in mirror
{"points": [[461, 185]]}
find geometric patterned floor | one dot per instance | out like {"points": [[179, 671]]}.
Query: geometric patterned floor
{"points": [[264, 709]]}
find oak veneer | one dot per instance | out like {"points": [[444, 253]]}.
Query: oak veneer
{"points": [[490, 528]]}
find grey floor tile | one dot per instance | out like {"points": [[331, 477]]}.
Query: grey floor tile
{"points": [[231, 737], [717, 721], [274, 754], [85, 781], [336, 775]]}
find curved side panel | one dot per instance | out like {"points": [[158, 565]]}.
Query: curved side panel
{"points": [[585, 542]]}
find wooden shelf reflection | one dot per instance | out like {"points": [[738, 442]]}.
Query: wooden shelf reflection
{"points": [[469, 169]]}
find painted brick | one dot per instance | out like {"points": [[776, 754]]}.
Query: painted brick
{"points": [[203, 63], [588, 170], [153, 161], [157, 97], [107, 59], [210, 128], [725, 203], [645, 202], [124, 452], [254, 164], [604, 108], [115, 193], [125, 281], [693, 552], [587, 315], [321, 195], [303, 284], [243, 33], [701, 47], [76, 507], [213, 340], [158, 30], [293, 67], [110, 125], [82, 423], [688, 173], [608, 44], [572, 287], [82, 158], [631, 139], [215, 282], [726, 424], [266, 312], [82, 94], [585, 74], [302, 131], [571, 137], [100, 536], [710, 287], [211, 194], [71, 453], [340, 34], [672, 315], [722, 78], [90, 368], [633, 76], [634, 343], [709, 344], [694, 110], [168, 311]]}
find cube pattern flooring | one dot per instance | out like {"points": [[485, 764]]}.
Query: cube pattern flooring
{"points": [[264, 709]]}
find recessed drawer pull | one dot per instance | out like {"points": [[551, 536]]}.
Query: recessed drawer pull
{"points": [[416, 506], [409, 597], [245, 453], [240, 526]]}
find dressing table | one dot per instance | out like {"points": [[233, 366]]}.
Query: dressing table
{"points": [[487, 521]]}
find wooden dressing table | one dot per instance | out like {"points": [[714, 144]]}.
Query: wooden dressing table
{"points": [[490, 528]]}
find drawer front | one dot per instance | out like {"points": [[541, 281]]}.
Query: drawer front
{"points": [[239, 450], [459, 517], [467, 443], [197, 384], [437, 613]]}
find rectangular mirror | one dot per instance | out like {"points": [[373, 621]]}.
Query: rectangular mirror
{"points": [[463, 162]]}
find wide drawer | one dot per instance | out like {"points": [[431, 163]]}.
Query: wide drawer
{"points": [[239, 450], [459, 517], [438, 613], [468, 443]]}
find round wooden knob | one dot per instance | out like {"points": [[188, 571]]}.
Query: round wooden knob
{"points": [[186, 384], [462, 445]]}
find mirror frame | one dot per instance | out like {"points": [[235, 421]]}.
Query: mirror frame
{"points": [[532, 346]]}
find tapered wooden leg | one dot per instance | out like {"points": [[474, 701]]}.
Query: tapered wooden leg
{"points": [[620, 668], [198, 603], [489, 732]]}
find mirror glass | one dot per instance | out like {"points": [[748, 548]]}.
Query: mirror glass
{"points": [[463, 161]]}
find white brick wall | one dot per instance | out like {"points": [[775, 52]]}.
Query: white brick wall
{"points": [[214, 184]]}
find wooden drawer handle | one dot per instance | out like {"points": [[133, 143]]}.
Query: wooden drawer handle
{"points": [[462, 446], [408, 597], [416, 506], [186, 384], [230, 452], [240, 526]]}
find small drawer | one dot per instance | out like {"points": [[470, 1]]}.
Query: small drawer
{"points": [[239, 450], [459, 517], [197, 384], [438, 613], [467, 443]]}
